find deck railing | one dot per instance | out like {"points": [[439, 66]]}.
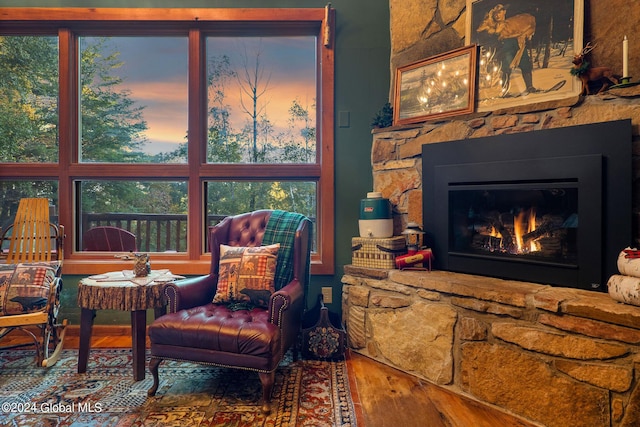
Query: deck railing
{"points": [[154, 232]]}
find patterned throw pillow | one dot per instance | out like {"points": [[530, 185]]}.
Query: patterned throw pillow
{"points": [[25, 288], [246, 274]]}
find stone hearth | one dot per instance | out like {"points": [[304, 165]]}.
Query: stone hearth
{"points": [[557, 356]]}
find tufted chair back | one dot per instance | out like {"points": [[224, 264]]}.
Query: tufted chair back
{"points": [[246, 229]]}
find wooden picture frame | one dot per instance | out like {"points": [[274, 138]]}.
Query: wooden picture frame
{"points": [[436, 87], [548, 33]]}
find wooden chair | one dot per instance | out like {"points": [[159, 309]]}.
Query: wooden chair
{"points": [[109, 239], [30, 278]]}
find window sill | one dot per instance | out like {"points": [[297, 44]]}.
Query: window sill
{"points": [[177, 266]]}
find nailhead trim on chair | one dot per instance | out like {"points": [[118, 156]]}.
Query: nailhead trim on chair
{"points": [[169, 291], [174, 299], [272, 319], [222, 365], [280, 314]]}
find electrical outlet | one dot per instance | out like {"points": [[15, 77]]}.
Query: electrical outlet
{"points": [[327, 295]]}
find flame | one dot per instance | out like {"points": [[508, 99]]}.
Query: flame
{"points": [[518, 226], [533, 246], [525, 223]]}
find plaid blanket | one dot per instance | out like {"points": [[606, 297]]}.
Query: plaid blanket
{"points": [[281, 228]]}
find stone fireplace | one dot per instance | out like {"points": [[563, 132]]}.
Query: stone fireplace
{"points": [[551, 207], [559, 356], [555, 355]]}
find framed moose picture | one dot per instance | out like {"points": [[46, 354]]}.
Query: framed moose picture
{"points": [[526, 49]]}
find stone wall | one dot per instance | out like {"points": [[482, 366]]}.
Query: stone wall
{"points": [[556, 356], [396, 154]]}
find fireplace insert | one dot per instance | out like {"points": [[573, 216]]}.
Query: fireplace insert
{"points": [[550, 206]]}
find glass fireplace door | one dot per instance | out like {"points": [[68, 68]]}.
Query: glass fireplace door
{"points": [[526, 221]]}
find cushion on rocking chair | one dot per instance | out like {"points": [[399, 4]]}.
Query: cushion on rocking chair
{"points": [[26, 287]]}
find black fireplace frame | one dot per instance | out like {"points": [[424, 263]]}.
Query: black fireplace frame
{"points": [[595, 158]]}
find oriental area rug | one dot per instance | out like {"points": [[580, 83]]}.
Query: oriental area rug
{"points": [[306, 393]]}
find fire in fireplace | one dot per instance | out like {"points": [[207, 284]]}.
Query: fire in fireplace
{"points": [[551, 206], [537, 223]]}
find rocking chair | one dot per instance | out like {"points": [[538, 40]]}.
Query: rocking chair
{"points": [[30, 279]]}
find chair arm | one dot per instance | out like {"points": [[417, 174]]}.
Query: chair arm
{"points": [[191, 292], [285, 310], [287, 302]]}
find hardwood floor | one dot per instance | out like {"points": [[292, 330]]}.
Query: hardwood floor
{"points": [[385, 396], [392, 398]]}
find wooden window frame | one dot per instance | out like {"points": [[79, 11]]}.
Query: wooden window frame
{"points": [[70, 23]]}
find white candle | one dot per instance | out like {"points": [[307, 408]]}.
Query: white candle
{"points": [[625, 57]]}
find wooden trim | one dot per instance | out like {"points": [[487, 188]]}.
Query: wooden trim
{"points": [[197, 146], [82, 14], [282, 171], [128, 170], [326, 185], [179, 264], [68, 124]]}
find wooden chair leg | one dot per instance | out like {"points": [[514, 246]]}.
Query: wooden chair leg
{"points": [[267, 380], [58, 343], [154, 363]]}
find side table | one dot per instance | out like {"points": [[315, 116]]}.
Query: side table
{"points": [[121, 290]]}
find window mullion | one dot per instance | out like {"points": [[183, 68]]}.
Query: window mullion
{"points": [[68, 127], [196, 141]]}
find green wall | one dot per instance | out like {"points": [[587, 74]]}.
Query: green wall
{"points": [[361, 85]]}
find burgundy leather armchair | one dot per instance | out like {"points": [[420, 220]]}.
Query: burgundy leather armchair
{"points": [[256, 339]]}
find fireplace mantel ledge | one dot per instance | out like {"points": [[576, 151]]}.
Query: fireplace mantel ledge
{"points": [[587, 304]]}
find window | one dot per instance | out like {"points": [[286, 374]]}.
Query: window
{"points": [[245, 196], [261, 99], [28, 99], [154, 211], [133, 97], [164, 121]]}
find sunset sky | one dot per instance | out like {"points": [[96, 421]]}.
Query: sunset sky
{"points": [[155, 72]]}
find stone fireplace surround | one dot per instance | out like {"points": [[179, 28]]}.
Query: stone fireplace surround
{"points": [[556, 356]]}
